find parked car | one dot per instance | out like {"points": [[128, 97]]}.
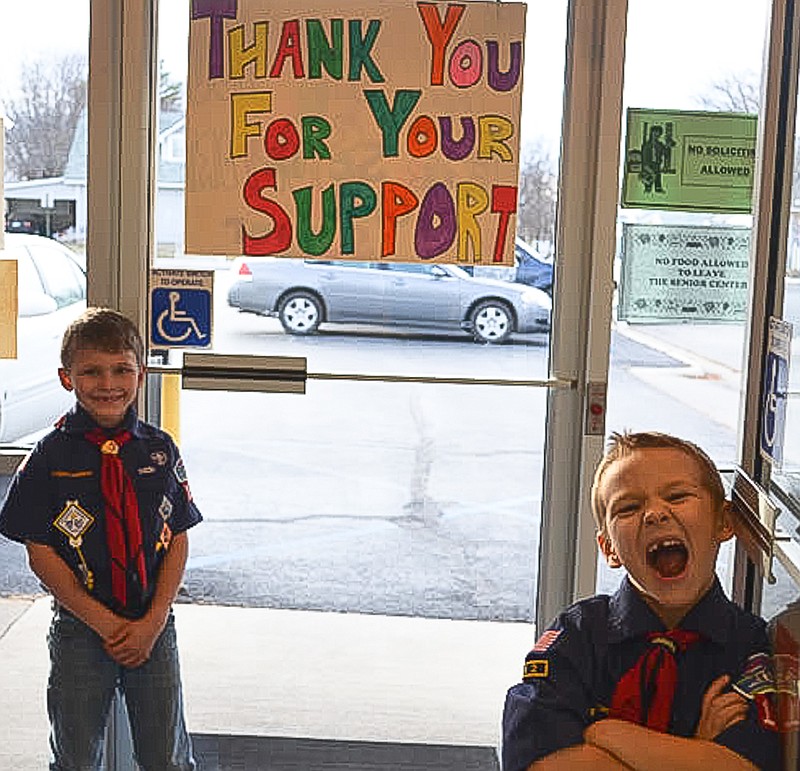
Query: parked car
{"points": [[51, 293], [533, 268], [530, 268], [306, 293]]}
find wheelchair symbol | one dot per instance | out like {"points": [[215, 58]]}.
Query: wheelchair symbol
{"points": [[177, 317], [771, 407]]}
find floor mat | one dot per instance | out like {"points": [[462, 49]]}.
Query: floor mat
{"points": [[258, 753]]}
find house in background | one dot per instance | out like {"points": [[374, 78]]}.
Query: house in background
{"points": [[57, 206]]}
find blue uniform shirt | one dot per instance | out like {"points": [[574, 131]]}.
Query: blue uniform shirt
{"points": [[55, 499], [570, 675]]}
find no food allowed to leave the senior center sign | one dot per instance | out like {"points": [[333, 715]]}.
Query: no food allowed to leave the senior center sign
{"points": [[678, 273], [354, 130], [689, 161]]}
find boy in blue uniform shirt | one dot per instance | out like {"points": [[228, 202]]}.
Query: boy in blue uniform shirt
{"points": [[102, 505], [667, 673]]}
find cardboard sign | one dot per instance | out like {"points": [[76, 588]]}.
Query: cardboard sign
{"points": [[8, 309], [354, 130], [689, 161]]}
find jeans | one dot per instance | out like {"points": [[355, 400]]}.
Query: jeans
{"points": [[83, 680]]}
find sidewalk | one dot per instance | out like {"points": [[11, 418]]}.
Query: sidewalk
{"points": [[254, 671], [710, 379]]}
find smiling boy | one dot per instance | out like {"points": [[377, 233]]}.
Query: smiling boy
{"points": [[655, 676], [102, 505]]}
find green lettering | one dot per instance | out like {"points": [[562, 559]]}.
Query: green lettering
{"points": [[321, 52], [360, 51], [391, 120], [310, 242], [316, 130], [356, 199]]}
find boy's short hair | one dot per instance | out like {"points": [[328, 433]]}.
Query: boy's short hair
{"points": [[101, 329], [620, 445]]}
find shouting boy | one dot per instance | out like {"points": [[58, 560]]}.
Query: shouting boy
{"points": [[667, 673], [102, 505]]}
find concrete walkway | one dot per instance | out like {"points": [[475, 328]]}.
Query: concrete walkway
{"points": [[295, 674]]}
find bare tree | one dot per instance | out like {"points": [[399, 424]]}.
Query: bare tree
{"points": [[43, 115], [170, 92], [736, 92], [538, 190]]}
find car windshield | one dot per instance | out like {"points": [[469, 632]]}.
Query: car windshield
{"points": [[460, 272]]}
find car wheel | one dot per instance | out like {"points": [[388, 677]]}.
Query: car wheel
{"points": [[492, 321], [300, 313]]}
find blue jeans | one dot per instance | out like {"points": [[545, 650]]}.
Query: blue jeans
{"points": [[83, 680]]}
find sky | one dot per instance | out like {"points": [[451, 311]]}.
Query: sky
{"points": [[675, 49]]}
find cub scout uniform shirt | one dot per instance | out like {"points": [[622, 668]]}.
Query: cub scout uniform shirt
{"points": [[55, 499]]}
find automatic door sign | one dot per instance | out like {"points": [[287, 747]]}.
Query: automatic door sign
{"points": [[180, 308], [776, 384]]}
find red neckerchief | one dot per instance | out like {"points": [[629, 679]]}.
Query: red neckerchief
{"points": [[645, 693], [123, 528]]}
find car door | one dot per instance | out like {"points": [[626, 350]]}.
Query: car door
{"points": [[51, 293], [423, 294], [352, 291]]}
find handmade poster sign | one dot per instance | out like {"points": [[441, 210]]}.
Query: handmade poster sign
{"points": [[354, 130]]}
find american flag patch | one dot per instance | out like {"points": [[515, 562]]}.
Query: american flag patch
{"points": [[546, 640]]}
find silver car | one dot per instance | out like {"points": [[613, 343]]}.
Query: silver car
{"points": [[52, 292], [306, 293]]}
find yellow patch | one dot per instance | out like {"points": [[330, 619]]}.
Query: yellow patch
{"points": [[536, 668], [72, 474]]}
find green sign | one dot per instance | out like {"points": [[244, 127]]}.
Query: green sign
{"points": [[689, 161], [676, 273]]}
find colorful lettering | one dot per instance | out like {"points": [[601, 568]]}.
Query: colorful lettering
{"points": [[312, 243], [439, 34], [396, 201], [322, 52], [215, 11], [244, 105], [361, 51], [436, 226], [391, 119], [240, 54], [356, 199], [289, 48], [279, 239]]}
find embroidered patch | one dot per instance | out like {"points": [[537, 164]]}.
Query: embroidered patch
{"points": [[536, 668], [74, 521], [757, 677], [165, 538], [159, 457], [72, 474], [758, 684], [165, 509], [180, 472], [546, 640]]}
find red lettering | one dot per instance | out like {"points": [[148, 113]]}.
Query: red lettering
{"points": [[439, 34], [289, 48], [279, 239], [396, 200], [504, 203]]}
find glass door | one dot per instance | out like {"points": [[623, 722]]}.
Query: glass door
{"points": [[404, 487]]}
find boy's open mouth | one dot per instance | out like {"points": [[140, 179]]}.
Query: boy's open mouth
{"points": [[668, 557]]}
